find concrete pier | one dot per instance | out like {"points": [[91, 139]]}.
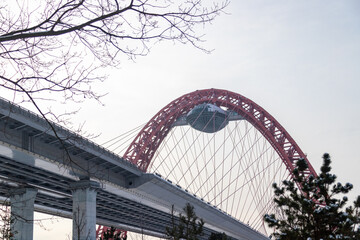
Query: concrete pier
{"points": [[84, 209], [22, 213]]}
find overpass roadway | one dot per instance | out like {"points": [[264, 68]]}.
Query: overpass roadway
{"points": [[31, 155]]}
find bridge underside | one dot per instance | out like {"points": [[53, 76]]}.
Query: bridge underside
{"points": [[54, 197]]}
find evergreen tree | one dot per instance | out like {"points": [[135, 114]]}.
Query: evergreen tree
{"points": [[218, 236], [189, 226], [318, 212]]}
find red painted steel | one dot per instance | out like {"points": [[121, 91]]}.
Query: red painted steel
{"points": [[144, 146]]}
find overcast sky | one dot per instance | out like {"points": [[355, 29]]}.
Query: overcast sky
{"points": [[300, 60]]}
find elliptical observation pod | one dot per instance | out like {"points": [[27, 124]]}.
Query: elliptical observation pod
{"points": [[207, 118]]}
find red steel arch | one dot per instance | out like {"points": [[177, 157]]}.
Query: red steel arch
{"points": [[144, 146]]}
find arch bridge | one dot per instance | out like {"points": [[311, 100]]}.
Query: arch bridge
{"points": [[47, 168]]}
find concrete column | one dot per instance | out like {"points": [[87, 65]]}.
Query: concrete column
{"points": [[84, 209], [22, 213]]}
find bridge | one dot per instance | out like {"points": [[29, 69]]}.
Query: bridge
{"points": [[47, 168]]}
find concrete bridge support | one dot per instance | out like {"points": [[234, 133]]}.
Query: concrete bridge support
{"points": [[84, 209], [22, 213]]}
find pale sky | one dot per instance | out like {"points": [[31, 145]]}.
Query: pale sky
{"points": [[299, 60]]}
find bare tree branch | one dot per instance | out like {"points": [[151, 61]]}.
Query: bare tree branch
{"points": [[43, 47]]}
